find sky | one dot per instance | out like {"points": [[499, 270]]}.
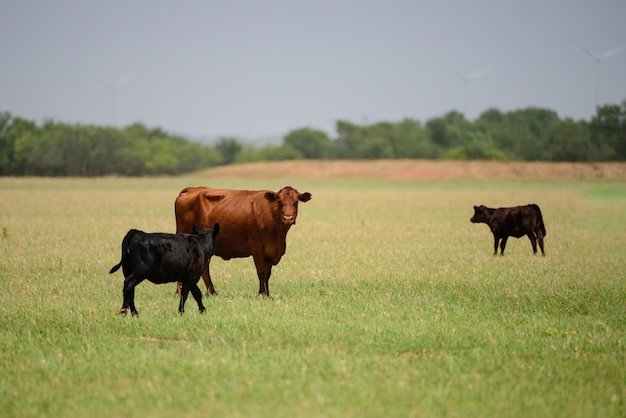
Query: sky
{"points": [[258, 69]]}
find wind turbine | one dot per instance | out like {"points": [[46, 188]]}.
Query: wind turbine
{"points": [[600, 57], [114, 86], [467, 79]]}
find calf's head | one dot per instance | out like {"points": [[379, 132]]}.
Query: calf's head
{"points": [[210, 233], [480, 214], [287, 199]]}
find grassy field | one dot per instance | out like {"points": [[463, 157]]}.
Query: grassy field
{"points": [[388, 302]]}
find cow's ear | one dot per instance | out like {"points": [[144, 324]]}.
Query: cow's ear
{"points": [[305, 197], [271, 196], [475, 207]]}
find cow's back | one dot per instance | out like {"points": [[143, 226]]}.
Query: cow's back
{"points": [[244, 217]]}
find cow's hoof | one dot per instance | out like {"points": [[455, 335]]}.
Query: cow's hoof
{"points": [[203, 311], [123, 312], [135, 314]]}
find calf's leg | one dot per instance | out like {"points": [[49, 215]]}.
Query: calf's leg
{"points": [[129, 295], [540, 241], [197, 295], [184, 292], [206, 277], [533, 241], [496, 240], [124, 308], [503, 244]]}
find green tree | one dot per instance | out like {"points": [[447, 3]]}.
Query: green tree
{"points": [[133, 156], [367, 142], [494, 123], [476, 146], [228, 148], [310, 143], [608, 131], [374, 147], [410, 140], [6, 144], [529, 128], [196, 156], [163, 157], [447, 131], [348, 134], [569, 141], [13, 128]]}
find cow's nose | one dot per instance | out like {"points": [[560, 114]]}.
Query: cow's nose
{"points": [[288, 219]]}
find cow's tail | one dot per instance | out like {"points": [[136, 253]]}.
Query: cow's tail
{"points": [[125, 245], [540, 219]]}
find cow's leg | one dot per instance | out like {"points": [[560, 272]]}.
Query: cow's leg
{"points": [[206, 276], [264, 271], [533, 241], [503, 244], [197, 295]]}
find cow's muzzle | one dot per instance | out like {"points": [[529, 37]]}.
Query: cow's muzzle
{"points": [[289, 220]]}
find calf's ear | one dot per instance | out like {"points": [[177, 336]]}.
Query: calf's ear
{"points": [[271, 196], [305, 197]]}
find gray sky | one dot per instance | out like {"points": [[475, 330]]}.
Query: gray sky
{"points": [[255, 69]]}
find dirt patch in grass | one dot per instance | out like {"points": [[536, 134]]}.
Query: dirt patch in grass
{"points": [[419, 169], [158, 339]]}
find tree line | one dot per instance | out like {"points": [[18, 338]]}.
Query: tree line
{"points": [[531, 134]]}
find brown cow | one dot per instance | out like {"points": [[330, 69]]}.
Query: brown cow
{"points": [[515, 222], [252, 223]]}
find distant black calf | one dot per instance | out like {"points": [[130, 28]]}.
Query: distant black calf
{"points": [[512, 222], [164, 258]]}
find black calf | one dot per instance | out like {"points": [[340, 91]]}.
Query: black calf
{"points": [[164, 258], [515, 222]]}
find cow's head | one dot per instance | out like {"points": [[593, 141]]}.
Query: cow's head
{"points": [[287, 199], [480, 214]]}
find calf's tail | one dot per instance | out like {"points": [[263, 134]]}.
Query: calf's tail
{"points": [[125, 245], [540, 219], [115, 268]]}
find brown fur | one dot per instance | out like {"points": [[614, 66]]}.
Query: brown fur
{"points": [[253, 223]]}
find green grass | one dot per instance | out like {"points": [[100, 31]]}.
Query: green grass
{"points": [[388, 303]]}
